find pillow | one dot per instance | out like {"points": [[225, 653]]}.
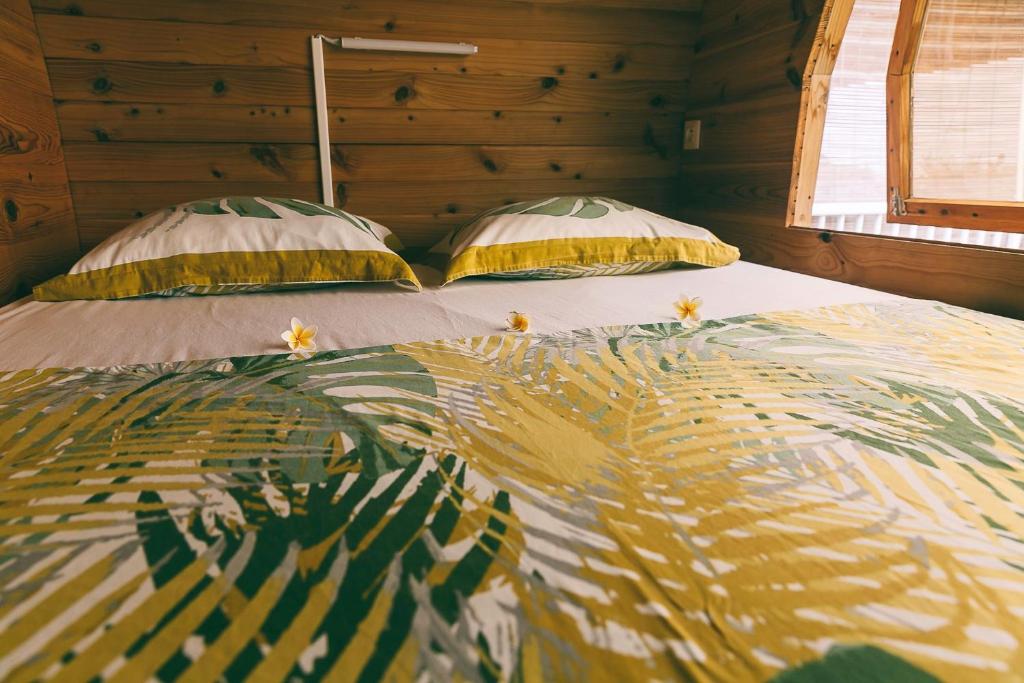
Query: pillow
{"points": [[231, 245], [565, 237]]}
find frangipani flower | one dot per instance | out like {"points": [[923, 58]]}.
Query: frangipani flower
{"points": [[688, 309], [518, 322], [300, 339]]}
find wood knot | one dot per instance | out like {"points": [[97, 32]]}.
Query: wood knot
{"points": [[452, 208], [651, 141], [101, 85], [402, 93], [555, 166], [101, 135], [657, 101], [793, 76], [619, 65], [11, 210], [825, 237], [94, 47], [266, 156], [389, 26], [219, 86], [9, 141], [548, 82], [489, 164]]}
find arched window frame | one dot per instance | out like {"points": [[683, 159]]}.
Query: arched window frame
{"points": [[810, 132], [903, 206]]}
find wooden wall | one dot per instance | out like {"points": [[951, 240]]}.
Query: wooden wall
{"points": [[37, 228], [746, 87], [161, 102]]}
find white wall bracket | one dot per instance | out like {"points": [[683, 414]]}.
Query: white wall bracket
{"points": [[323, 130]]}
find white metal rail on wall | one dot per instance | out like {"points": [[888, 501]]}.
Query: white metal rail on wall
{"points": [[323, 130]]}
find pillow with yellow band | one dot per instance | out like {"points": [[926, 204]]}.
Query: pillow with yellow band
{"points": [[567, 237], [234, 245]]}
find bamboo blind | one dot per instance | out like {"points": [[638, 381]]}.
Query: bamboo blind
{"points": [[967, 106], [851, 190]]}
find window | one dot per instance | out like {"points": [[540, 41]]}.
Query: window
{"points": [[844, 187], [956, 114], [968, 102]]}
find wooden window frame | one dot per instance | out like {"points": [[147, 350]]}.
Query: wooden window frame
{"points": [[904, 207], [814, 105]]}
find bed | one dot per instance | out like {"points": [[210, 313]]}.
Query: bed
{"points": [[819, 482]]}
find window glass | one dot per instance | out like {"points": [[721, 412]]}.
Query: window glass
{"points": [[967, 102]]}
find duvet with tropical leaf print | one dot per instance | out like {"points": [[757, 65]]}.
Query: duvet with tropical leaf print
{"points": [[833, 494]]}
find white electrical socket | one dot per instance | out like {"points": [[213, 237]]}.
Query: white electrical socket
{"points": [[691, 134]]}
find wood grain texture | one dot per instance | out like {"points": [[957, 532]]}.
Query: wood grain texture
{"points": [[164, 102], [105, 39], [175, 83], [747, 80], [810, 129], [137, 122], [412, 19], [205, 162], [38, 237]]}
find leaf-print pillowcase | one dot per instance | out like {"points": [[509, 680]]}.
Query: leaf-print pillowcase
{"points": [[566, 237], [234, 245]]}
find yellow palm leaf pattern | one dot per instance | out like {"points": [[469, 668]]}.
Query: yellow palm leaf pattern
{"points": [[826, 494]]}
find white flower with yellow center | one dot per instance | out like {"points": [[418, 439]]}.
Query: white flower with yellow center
{"points": [[517, 322], [688, 309], [300, 339]]}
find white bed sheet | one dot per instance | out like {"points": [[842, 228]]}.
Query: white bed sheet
{"points": [[102, 333]]}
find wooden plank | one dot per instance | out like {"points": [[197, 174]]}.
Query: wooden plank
{"points": [[984, 279], [971, 214], [749, 131], [102, 121], [174, 83], [453, 20], [729, 24], [101, 39], [770, 64], [666, 5], [760, 189], [199, 162], [810, 130], [115, 204], [38, 236]]}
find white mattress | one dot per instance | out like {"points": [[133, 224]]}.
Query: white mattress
{"points": [[104, 333]]}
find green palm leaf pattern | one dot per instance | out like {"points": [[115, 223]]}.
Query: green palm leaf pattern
{"points": [[576, 207], [813, 495], [253, 207]]}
